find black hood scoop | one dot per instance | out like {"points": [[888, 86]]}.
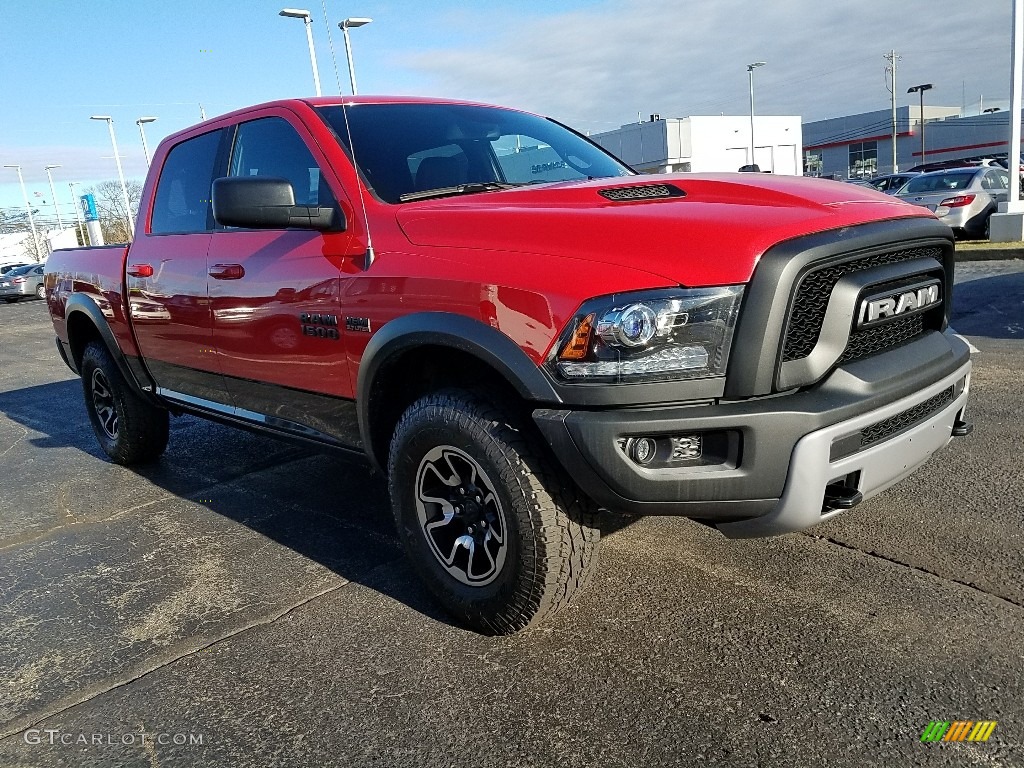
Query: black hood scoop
{"points": [[641, 192]]}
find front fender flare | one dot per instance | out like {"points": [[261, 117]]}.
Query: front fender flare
{"points": [[458, 332]]}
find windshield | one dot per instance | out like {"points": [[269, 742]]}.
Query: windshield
{"points": [[21, 270], [939, 182], [402, 149]]}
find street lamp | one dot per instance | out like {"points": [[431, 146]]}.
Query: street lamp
{"points": [[53, 196], [120, 173], [296, 13], [78, 212], [920, 89], [345, 26], [750, 75], [145, 147], [28, 210]]}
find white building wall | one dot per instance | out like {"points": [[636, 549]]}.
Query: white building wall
{"points": [[708, 144]]}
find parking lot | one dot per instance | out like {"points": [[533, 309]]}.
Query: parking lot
{"points": [[245, 602]]}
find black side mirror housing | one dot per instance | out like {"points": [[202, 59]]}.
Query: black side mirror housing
{"points": [[266, 202]]}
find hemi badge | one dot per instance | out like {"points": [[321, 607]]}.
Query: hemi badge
{"points": [[358, 324]]}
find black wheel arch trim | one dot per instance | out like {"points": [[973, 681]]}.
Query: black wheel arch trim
{"points": [[79, 303], [458, 332]]}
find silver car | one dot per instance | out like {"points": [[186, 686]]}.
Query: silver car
{"points": [[892, 183], [963, 198], [21, 282]]}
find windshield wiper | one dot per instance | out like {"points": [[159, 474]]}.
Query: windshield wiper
{"points": [[461, 189]]}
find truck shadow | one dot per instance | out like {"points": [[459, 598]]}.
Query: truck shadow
{"points": [[322, 506], [992, 307]]}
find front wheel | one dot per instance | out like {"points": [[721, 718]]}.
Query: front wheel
{"points": [[129, 429], [497, 533]]}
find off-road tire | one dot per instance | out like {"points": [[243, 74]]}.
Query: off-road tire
{"points": [[129, 429], [550, 529]]}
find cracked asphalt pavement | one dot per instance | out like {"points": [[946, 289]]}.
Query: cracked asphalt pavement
{"points": [[245, 602]]}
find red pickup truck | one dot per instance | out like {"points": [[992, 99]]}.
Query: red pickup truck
{"points": [[519, 331]]}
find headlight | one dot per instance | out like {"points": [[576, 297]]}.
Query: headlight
{"points": [[649, 336]]}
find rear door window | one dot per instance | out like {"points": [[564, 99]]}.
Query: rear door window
{"points": [[183, 194]]}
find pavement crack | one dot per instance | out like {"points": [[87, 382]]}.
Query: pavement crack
{"points": [[22, 436], [18, 726], [910, 566]]}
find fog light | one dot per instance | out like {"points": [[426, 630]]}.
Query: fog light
{"points": [[643, 450]]}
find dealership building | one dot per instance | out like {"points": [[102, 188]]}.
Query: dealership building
{"points": [[860, 146], [850, 147], [707, 143]]}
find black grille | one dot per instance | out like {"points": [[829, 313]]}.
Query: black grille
{"points": [[871, 341], [886, 428], [812, 295], [642, 192], [880, 430]]}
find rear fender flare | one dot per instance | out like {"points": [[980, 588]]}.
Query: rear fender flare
{"points": [[79, 303]]}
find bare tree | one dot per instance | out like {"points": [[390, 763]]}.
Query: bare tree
{"points": [[16, 220], [110, 206]]}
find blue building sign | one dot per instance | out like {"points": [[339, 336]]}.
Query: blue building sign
{"points": [[89, 208]]}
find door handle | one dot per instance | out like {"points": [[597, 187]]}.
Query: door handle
{"points": [[140, 270], [226, 271]]}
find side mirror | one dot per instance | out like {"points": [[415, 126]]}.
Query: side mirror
{"points": [[268, 203]]}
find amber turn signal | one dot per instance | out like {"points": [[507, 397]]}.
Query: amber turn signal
{"points": [[579, 344]]}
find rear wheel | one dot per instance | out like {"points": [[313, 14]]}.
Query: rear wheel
{"points": [[496, 531], [129, 429], [40, 291]]}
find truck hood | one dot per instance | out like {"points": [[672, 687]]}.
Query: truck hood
{"points": [[713, 234]]}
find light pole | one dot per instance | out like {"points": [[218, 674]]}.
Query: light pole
{"points": [[750, 76], [920, 89], [345, 26], [53, 195], [78, 212], [28, 210], [145, 147], [296, 13], [121, 173]]}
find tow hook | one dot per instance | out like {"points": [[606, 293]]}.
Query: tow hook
{"points": [[841, 497], [962, 429]]}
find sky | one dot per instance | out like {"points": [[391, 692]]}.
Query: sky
{"points": [[594, 65]]}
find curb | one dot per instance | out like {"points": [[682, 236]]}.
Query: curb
{"points": [[990, 254]]}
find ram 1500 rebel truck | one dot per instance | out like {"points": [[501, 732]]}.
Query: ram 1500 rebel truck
{"points": [[519, 331]]}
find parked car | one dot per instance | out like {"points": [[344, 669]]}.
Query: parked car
{"points": [[21, 282], [963, 198], [8, 267], [892, 183]]}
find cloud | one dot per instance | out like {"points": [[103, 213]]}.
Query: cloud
{"points": [[85, 164], [599, 67]]}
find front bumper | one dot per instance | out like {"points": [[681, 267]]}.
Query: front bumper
{"points": [[786, 452]]}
